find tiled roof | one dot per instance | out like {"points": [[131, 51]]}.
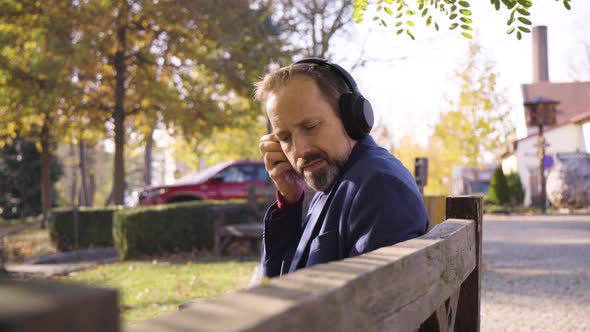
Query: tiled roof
{"points": [[573, 98]]}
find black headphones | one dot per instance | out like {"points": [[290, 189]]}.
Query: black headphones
{"points": [[355, 111]]}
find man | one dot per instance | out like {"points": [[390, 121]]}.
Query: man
{"points": [[365, 197]]}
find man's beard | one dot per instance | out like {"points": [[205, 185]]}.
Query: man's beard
{"points": [[322, 179]]}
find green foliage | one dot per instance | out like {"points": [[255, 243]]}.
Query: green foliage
{"points": [[477, 122], [515, 188], [20, 193], [94, 227], [172, 228], [499, 192], [457, 13]]}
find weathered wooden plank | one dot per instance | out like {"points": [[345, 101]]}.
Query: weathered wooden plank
{"points": [[391, 289], [51, 307], [469, 307]]}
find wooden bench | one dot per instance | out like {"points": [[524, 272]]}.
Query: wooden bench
{"points": [[431, 283]]}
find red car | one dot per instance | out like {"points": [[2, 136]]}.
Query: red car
{"points": [[226, 180]]}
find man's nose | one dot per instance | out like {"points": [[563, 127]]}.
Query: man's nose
{"points": [[301, 147]]}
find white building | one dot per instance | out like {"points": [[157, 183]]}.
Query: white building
{"points": [[570, 134]]}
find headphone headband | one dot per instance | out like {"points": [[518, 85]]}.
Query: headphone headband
{"points": [[350, 82]]}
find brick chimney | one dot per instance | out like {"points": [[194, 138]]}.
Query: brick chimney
{"points": [[540, 58]]}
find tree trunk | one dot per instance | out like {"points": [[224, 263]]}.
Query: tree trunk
{"points": [[119, 117], [147, 158], [74, 170], [91, 175], [84, 197], [45, 170]]}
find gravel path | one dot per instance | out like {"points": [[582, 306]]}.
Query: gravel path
{"points": [[536, 273]]}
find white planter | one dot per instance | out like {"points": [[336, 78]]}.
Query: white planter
{"points": [[568, 183]]}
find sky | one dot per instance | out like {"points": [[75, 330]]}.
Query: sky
{"points": [[409, 81]]}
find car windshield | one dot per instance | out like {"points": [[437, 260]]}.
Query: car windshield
{"points": [[202, 176]]}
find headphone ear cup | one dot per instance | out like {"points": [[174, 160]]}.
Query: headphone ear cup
{"points": [[363, 117], [346, 104]]}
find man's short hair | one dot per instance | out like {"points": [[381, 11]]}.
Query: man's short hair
{"points": [[330, 83]]}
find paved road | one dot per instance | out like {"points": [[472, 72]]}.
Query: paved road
{"points": [[536, 273]]}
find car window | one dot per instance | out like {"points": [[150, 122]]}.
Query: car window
{"points": [[261, 173], [249, 172], [232, 174]]}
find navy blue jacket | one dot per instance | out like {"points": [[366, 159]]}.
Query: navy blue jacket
{"points": [[374, 203]]}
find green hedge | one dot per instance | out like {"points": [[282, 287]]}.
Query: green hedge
{"points": [[173, 227], [95, 227]]}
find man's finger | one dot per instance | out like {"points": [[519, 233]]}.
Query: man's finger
{"points": [[269, 137], [271, 159], [268, 146]]}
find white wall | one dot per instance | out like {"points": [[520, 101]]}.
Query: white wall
{"points": [[567, 138], [510, 164], [586, 134]]}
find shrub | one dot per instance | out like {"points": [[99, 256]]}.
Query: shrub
{"points": [[515, 189], [173, 227], [94, 227], [498, 192]]}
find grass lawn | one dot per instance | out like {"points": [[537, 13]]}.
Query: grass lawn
{"points": [[148, 289]]}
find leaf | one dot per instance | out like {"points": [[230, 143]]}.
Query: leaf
{"points": [[518, 35], [496, 4], [464, 4], [466, 20], [467, 35], [466, 27], [398, 24], [465, 12], [388, 10], [523, 11], [453, 26], [525, 20], [566, 4], [410, 34], [410, 23], [384, 23], [452, 16], [410, 12], [511, 30], [428, 21], [436, 26], [399, 32], [424, 12], [400, 14], [525, 3]]}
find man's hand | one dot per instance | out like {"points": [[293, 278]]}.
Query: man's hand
{"points": [[289, 183]]}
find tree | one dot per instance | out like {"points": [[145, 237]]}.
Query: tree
{"points": [[35, 77], [20, 193], [311, 25], [499, 192], [477, 124], [515, 189], [184, 63], [457, 12]]}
